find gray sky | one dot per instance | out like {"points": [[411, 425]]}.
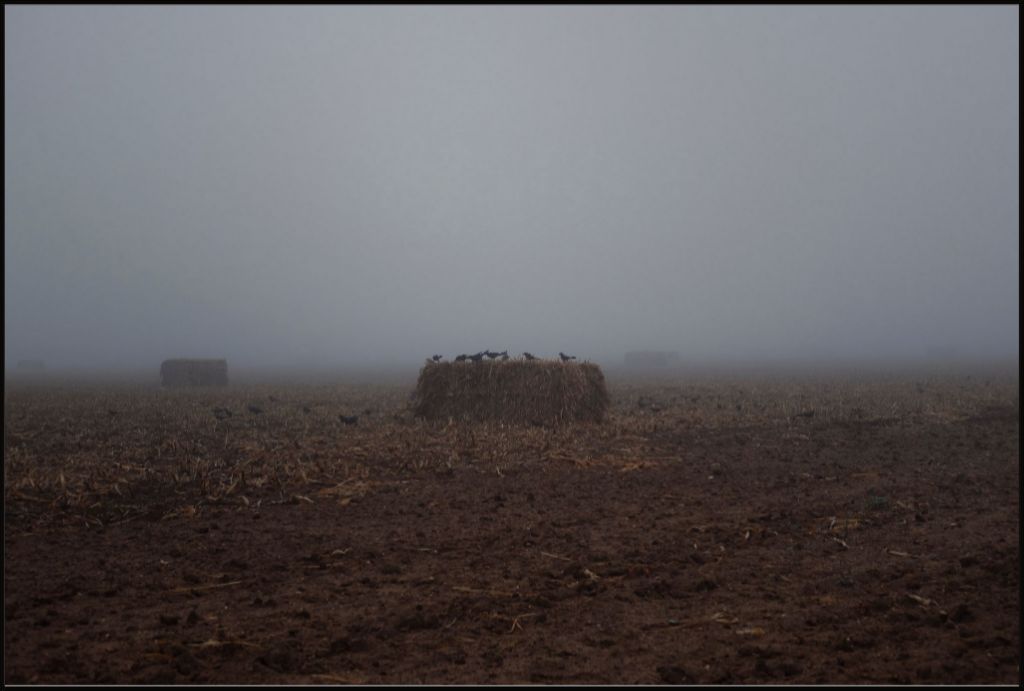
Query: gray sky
{"points": [[330, 185]]}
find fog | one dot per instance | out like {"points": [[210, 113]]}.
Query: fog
{"points": [[336, 185]]}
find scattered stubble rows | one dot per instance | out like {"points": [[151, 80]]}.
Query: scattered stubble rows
{"points": [[96, 455], [811, 475]]}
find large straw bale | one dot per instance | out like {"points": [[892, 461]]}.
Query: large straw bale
{"points": [[538, 392]]}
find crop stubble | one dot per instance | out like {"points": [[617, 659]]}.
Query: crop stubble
{"points": [[742, 530]]}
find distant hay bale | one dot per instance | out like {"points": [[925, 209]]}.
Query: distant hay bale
{"points": [[538, 392], [184, 372]]}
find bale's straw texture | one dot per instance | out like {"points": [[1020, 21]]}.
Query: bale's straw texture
{"points": [[512, 391], [186, 372]]}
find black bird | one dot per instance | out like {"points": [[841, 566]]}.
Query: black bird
{"points": [[437, 358], [478, 357], [349, 419], [565, 358], [255, 409], [461, 358], [528, 356]]}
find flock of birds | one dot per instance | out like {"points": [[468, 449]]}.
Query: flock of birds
{"points": [[478, 357]]}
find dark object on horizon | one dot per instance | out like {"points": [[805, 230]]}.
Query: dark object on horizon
{"points": [[491, 355], [478, 357], [565, 358], [461, 358], [255, 409], [504, 355], [222, 413], [188, 372], [529, 356], [437, 358], [349, 419]]}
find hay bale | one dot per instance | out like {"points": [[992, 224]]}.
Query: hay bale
{"points": [[187, 372], [539, 392]]}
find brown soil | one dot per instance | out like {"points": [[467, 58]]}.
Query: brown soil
{"points": [[805, 548]]}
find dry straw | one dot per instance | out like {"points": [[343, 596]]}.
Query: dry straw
{"points": [[512, 391]]}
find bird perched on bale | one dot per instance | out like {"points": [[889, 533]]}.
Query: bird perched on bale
{"points": [[349, 419], [565, 358], [461, 358], [528, 356], [437, 358]]}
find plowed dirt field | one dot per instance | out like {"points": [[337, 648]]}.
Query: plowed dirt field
{"points": [[744, 530]]}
